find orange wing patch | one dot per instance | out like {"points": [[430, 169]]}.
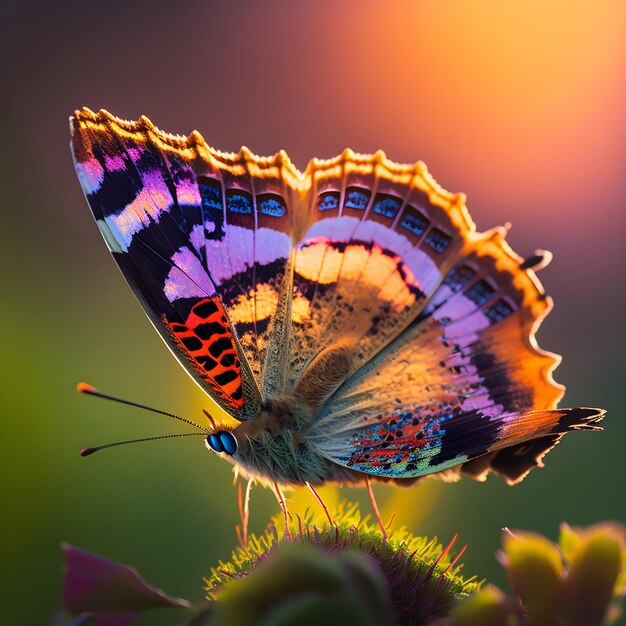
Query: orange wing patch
{"points": [[207, 340]]}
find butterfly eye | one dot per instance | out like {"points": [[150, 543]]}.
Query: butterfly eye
{"points": [[228, 442], [215, 442]]}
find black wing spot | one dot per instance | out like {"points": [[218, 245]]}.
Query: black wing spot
{"points": [[438, 240], [191, 343], [206, 361], [205, 309], [220, 345], [226, 377], [209, 329], [480, 292]]}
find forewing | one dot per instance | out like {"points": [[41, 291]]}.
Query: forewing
{"points": [[464, 386], [203, 239]]}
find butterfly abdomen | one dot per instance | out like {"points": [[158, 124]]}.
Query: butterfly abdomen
{"points": [[289, 459], [274, 445]]}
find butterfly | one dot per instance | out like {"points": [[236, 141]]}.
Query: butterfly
{"points": [[350, 318]]}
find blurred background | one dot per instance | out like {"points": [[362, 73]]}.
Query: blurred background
{"points": [[520, 104]]}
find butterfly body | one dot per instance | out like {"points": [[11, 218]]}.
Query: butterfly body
{"points": [[349, 317]]}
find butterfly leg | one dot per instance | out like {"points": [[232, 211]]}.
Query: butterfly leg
{"points": [[322, 503], [281, 501], [240, 528], [246, 510], [375, 507], [244, 513]]}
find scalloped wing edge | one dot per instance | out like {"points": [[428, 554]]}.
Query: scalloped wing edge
{"points": [[453, 203]]}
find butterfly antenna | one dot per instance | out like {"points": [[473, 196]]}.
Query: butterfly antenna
{"points": [[88, 451], [92, 391]]}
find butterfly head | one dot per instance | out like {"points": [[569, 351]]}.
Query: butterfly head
{"points": [[222, 441]]}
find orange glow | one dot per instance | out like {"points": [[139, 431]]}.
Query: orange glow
{"points": [[265, 300]]}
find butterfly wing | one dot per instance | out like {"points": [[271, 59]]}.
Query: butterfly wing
{"points": [[202, 237], [379, 238], [358, 292], [285, 267], [464, 386]]}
